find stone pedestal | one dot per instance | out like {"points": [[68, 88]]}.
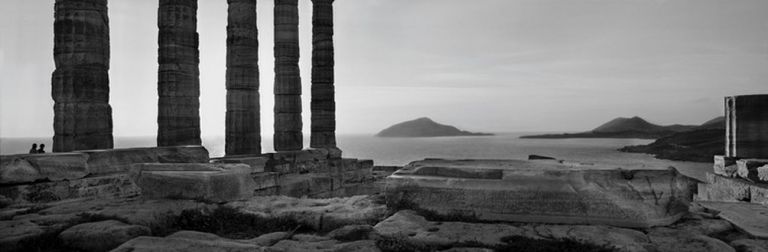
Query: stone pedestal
{"points": [[178, 87], [243, 131], [746, 126], [323, 103], [80, 83], [288, 124]]}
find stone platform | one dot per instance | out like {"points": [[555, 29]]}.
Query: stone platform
{"points": [[546, 192]]}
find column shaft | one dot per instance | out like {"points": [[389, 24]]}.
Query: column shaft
{"points": [[288, 125], [80, 83], [323, 103], [243, 131], [178, 86]]}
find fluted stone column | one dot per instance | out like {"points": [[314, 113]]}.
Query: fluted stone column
{"points": [[288, 136], [178, 85], [323, 103], [80, 83], [243, 131]]}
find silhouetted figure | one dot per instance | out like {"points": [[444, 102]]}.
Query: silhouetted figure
{"points": [[34, 149], [42, 149]]}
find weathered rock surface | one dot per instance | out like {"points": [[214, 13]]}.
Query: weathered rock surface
{"points": [[257, 163], [666, 242], [80, 84], [353, 233], [101, 187], [749, 218], [719, 188], [54, 167], [522, 191], [121, 160], [178, 87], [750, 170], [320, 214], [288, 123], [725, 166], [205, 182], [243, 128], [749, 245], [14, 234], [210, 243], [100, 236], [412, 228]]}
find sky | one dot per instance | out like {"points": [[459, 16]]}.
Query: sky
{"points": [[481, 65]]}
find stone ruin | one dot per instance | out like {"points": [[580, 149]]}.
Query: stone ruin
{"points": [[85, 165]]}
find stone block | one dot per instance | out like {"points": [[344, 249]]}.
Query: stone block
{"points": [[547, 193], [265, 179], [222, 183], [105, 187], [101, 236], [748, 169], [49, 166], [719, 188], [725, 166], [182, 154], [349, 164], [257, 163], [758, 194]]}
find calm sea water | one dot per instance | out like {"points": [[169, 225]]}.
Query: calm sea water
{"points": [[400, 151]]}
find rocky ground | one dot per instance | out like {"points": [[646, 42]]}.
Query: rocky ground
{"points": [[360, 223]]}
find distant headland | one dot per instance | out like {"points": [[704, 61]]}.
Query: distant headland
{"points": [[425, 127], [634, 127]]}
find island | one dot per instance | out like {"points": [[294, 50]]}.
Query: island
{"points": [[425, 127], [697, 145], [634, 127]]}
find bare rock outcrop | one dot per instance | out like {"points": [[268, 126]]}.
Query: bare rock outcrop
{"points": [[80, 84]]}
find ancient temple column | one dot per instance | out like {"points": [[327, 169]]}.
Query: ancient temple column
{"points": [[288, 136], [323, 103], [178, 85], [80, 83], [243, 131]]}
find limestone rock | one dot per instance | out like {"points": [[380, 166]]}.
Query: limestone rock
{"points": [[257, 163], [320, 214], [104, 187], [15, 171], [682, 242], [14, 234], [748, 218], [120, 160], [287, 136], [270, 239], [409, 227], [352, 233], [724, 189], [749, 169], [220, 183], [178, 86], [748, 245], [100, 236], [162, 244], [80, 84], [522, 191], [725, 166], [303, 246], [52, 166]]}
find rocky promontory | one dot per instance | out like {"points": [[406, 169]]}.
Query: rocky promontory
{"points": [[425, 127], [634, 127], [697, 145]]}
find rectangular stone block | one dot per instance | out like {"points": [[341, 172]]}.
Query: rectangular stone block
{"points": [[526, 191], [758, 194], [265, 179], [216, 183], [725, 166], [748, 169], [51, 166], [257, 163], [349, 164], [102, 187], [719, 188]]}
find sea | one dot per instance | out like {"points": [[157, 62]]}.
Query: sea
{"points": [[401, 151]]}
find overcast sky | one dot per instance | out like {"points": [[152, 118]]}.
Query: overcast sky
{"points": [[484, 65]]}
